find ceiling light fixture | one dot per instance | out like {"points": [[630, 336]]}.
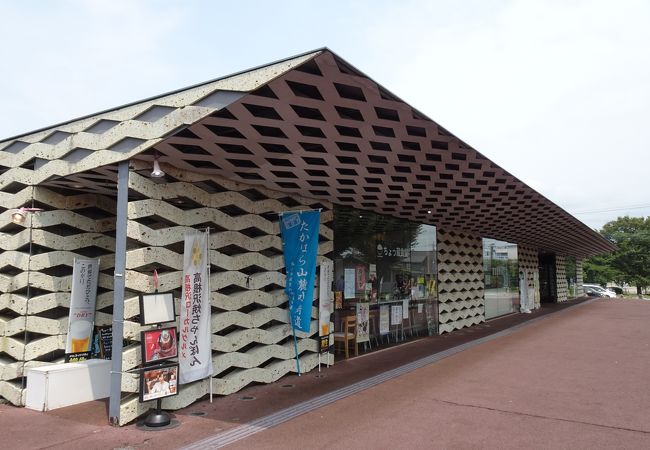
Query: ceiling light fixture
{"points": [[157, 171], [19, 216]]}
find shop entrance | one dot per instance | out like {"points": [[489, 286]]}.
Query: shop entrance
{"points": [[547, 281]]}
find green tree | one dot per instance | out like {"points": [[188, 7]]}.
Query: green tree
{"points": [[599, 270], [631, 263]]}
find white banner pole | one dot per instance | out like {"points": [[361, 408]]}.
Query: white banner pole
{"points": [[207, 260]]}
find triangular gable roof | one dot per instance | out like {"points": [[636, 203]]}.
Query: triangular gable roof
{"points": [[311, 125]]}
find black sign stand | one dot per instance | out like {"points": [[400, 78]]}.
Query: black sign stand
{"points": [[157, 417]]}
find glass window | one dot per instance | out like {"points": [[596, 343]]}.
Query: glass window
{"points": [[571, 276], [388, 265], [501, 278]]}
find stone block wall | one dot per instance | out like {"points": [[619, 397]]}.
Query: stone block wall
{"points": [[528, 259], [34, 321], [252, 340], [560, 277], [461, 283], [579, 277]]}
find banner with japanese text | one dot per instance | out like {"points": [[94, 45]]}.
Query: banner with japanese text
{"points": [[300, 241], [325, 306], [363, 322], [85, 273], [195, 347]]}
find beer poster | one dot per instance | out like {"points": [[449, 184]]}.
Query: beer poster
{"points": [[81, 321]]}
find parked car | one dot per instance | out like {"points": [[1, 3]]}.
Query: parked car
{"points": [[591, 292], [616, 289], [592, 289]]}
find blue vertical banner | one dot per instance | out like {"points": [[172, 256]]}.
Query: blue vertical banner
{"points": [[300, 241]]}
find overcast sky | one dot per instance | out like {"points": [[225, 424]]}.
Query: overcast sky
{"points": [[556, 92]]}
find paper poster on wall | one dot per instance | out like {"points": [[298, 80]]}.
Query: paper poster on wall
{"points": [[349, 291], [420, 308], [360, 277], [396, 314], [405, 309], [338, 299], [85, 273], [384, 320], [431, 287], [363, 323]]}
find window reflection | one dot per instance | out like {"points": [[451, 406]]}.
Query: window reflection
{"points": [[500, 265], [390, 265], [571, 275]]}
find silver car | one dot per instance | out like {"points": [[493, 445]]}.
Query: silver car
{"points": [[593, 290]]}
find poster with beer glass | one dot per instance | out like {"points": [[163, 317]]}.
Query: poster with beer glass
{"points": [[82, 308], [158, 382]]}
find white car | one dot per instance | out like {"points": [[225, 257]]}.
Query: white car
{"points": [[604, 292]]}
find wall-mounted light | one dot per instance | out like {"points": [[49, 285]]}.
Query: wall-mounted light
{"points": [[157, 171], [19, 216]]}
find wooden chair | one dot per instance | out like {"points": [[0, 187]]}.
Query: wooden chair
{"points": [[348, 335]]}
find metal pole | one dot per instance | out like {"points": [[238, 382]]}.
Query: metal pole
{"points": [[295, 344], [118, 292]]}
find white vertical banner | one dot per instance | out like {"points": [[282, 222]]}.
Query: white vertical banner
{"points": [[325, 307], [348, 291], [85, 273], [195, 352], [384, 319], [524, 301], [396, 314]]}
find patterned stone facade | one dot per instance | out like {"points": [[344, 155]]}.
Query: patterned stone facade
{"points": [[252, 340], [251, 335], [579, 278], [461, 283], [560, 276], [528, 259], [34, 319]]}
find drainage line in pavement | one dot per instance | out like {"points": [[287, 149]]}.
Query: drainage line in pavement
{"points": [[224, 438]]}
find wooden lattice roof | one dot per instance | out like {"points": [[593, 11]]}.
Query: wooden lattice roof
{"points": [[311, 125]]}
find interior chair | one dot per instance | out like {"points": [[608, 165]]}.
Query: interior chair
{"points": [[348, 335]]}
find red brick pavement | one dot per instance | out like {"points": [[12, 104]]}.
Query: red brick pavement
{"points": [[575, 380]]}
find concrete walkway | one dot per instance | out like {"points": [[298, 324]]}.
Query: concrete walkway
{"points": [[576, 379]]}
